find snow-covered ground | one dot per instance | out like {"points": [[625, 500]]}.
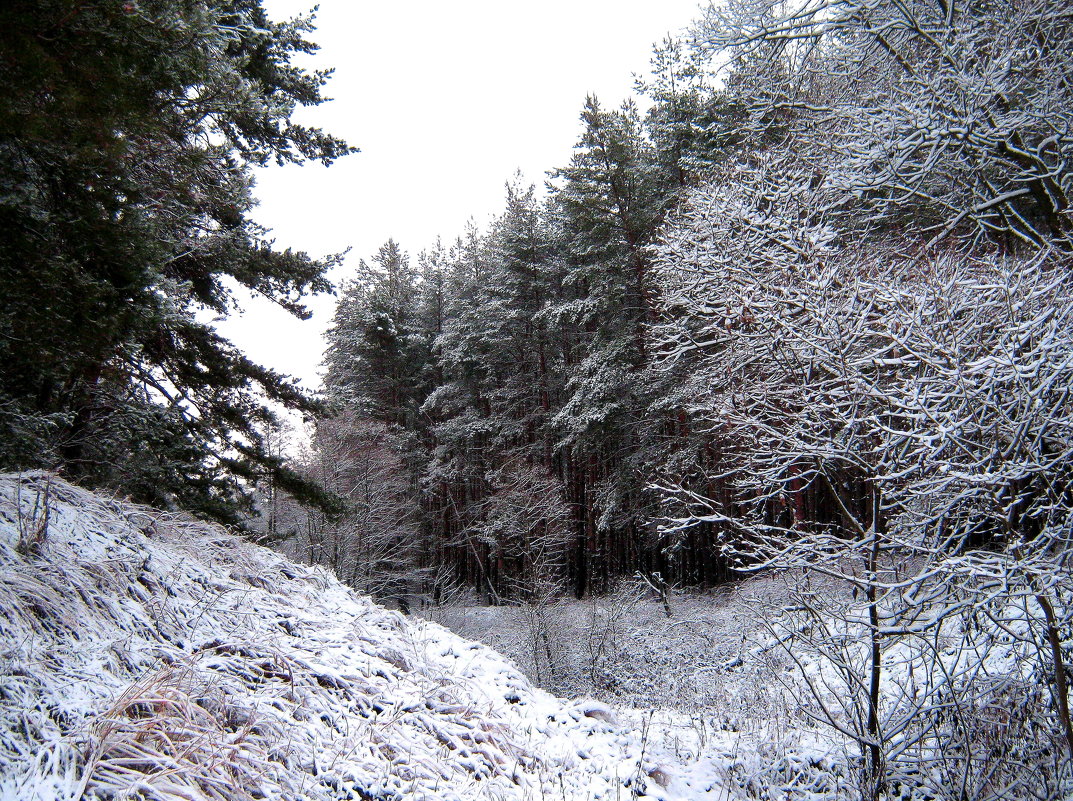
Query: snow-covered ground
{"points": [[144, 655], [147, 656], [754, 680], [712, 681], [624, 649]]}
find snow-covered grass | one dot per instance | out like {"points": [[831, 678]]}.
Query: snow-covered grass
{"points": [[711, 681], [712, 654], [149, 656], [144, 655]]}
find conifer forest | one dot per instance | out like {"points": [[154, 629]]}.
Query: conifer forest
{"points": [[801, 307]]}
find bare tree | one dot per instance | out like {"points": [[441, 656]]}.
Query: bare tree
{"points": [[376, 546], [524, 521], [941, 116], [901, 425]]}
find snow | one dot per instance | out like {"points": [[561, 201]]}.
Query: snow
{"points": [[710, 684], [753, 680], [147, 655]]}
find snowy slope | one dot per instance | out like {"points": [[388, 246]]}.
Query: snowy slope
{"points": [[144, 655]]}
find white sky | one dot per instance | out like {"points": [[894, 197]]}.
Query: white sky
{"points": [[445, 100]]}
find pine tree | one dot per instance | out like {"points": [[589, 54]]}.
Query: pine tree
{"points": [[127, 133], [502, 377], [607, 205], [693, 126], [378, 354]]}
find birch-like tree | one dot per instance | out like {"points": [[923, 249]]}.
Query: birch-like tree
{"points": [[869, 321]]}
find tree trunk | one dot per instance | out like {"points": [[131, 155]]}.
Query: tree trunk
{"points": [[1061, 684]]}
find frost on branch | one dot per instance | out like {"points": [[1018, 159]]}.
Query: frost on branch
{"points": [[947, 118], [898, 422]]}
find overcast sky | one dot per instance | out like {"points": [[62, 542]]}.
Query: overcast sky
{"points": [[445, 100]]}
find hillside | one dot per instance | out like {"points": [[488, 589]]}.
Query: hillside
{"points": [[145, 655], [149, 656]]}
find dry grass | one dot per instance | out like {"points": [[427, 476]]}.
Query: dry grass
{"points": [[172, 738], [148, 656]]}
